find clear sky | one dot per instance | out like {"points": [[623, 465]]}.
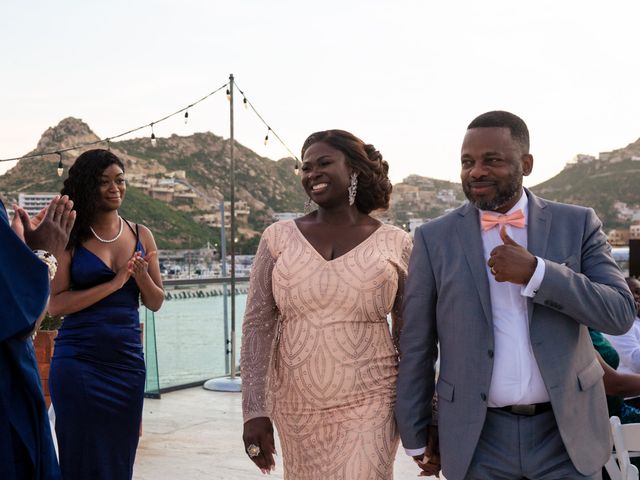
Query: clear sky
{"points": [[407, 76]]}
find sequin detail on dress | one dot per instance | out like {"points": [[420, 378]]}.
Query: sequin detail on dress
{"points": [[332, 387]]}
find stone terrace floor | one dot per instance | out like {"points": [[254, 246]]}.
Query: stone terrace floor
{"points": [[196, 434]]}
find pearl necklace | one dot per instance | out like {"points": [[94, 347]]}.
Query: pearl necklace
{"points": [[114, 238]]}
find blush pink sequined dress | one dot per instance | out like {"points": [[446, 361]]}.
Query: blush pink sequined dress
{"points": [[317, 354]]}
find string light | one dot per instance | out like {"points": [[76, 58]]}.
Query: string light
{"points": [[296, 169], [154, 142], [60, 169], [266, 138], [107, 140]]}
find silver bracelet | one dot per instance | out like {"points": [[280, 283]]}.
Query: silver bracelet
{"points": [[50, 260]]}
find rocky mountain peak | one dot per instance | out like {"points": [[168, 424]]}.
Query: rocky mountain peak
{"points": [[70, 131]]}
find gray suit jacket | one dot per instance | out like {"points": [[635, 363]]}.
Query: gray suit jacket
{"points": [[447, 305]]}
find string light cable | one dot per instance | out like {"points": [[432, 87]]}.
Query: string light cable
{"points": [[109, 139], [270, 130]]}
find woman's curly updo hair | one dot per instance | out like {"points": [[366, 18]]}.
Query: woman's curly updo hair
{"points": [[374, 186], [83, 187]]}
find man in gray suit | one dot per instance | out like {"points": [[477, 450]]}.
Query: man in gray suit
{"points": [[506, 286]]}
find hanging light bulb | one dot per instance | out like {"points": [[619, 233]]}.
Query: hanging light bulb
{"points": [[246, 103], [60, 169], [266, 137], [108, 144], [154, 142], [296, 169], [228, 94], [186, 117]]}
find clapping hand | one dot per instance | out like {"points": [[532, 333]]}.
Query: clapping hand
{"points": [[511, 262], [122, 275], [49, 230], [139, 265], [16, 222]]}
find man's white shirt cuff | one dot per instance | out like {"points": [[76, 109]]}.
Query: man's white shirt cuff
{"points": [[414, 452], [531, 288]]}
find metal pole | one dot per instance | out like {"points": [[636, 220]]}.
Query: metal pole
{"points": [[223, 261], [233, 234], [232, 383]]}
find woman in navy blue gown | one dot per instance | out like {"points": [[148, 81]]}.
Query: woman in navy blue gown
{"points": [[97, 371]]}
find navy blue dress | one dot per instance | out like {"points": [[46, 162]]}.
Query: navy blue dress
{"points": [[97, 378]]}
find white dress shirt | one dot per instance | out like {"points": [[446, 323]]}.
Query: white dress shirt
{"points": [[516, 378], [628, 347]]}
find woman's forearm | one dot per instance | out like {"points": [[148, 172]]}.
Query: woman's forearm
{"points": [[72, 301], [152, 295]]}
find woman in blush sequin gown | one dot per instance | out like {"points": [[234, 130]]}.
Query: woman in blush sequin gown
{"points": [[98, 371], [318, 358]]}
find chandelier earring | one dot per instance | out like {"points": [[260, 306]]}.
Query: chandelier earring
{"points": [[353, 188]]}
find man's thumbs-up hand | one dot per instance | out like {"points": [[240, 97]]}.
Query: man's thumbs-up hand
{"points": [[511, 262], [506, 239]]}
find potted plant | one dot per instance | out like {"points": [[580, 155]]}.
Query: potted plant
{"points": [[43, 343]]}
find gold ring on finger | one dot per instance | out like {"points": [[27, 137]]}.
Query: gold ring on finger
{"points": [[493, 271]]}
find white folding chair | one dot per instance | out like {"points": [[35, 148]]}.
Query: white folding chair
{"points": [[612, 468], [626, 441]]}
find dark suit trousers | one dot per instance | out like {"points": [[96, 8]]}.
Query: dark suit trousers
{"points": [[517, 447]]}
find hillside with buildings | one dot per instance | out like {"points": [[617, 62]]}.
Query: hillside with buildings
{"points": [[609, 183], [418, 199], [177, 186]]}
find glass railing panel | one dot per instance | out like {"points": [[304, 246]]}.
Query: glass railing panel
{"points": [[152, 382], [190, 334]]}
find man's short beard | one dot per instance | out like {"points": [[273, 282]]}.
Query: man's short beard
{"points": [[502, 197]]}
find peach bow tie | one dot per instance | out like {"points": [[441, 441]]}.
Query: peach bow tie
{"points": [[515, 219]]}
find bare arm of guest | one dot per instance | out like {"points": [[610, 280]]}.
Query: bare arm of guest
{"points": [[146, 272], [619, 384], [64, 301]]}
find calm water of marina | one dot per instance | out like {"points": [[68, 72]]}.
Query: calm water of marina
{"points": [[190, 336]]}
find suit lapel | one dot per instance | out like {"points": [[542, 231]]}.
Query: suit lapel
{"points": [[538, 227], [468, 228]]}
